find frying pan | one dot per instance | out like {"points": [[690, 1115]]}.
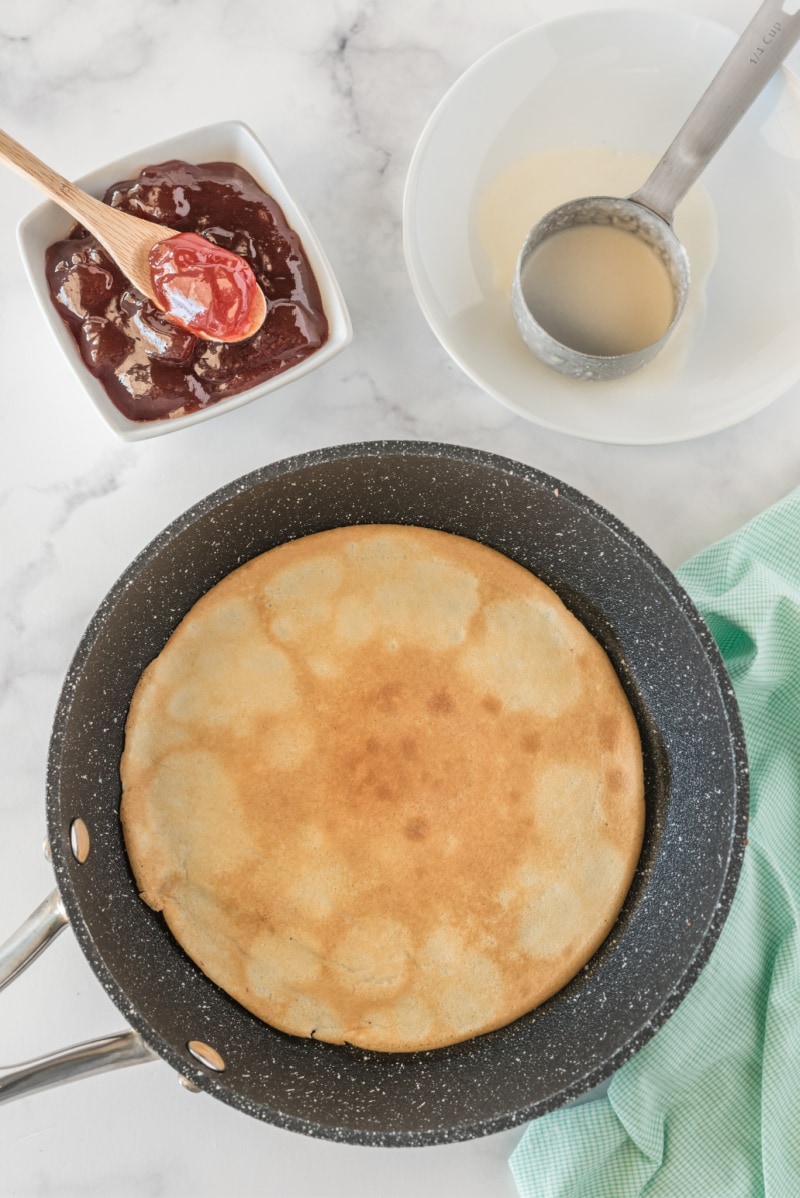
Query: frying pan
{"points": [[696, 797]]}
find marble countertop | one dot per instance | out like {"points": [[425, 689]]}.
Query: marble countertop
{"points": [[339, 94]]}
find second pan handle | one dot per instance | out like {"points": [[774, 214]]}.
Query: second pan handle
{"points": [[72, 1064], [31, 938]]}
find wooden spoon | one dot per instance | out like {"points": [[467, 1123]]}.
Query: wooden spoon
{"points": [[129, 240]]}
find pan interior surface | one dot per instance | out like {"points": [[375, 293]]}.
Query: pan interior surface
{"points": [[695, 787]]}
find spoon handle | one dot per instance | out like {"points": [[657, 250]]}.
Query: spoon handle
{"points": [[751, 63], [83, 207], [128, 239]]}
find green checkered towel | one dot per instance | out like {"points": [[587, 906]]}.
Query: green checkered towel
{"points": [[710, 1107]]}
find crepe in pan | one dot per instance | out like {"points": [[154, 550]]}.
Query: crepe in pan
{"points": [[384, 787]]}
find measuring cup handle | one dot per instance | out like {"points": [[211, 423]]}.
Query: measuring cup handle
{"points": [[748, 68]]}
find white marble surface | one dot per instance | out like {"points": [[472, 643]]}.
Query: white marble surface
{"points": [[339, 93]]}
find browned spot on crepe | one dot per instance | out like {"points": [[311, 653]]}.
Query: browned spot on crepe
{"points": [[417, 828], [441, 703], [384, 788]]}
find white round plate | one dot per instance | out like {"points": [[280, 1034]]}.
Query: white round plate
{"points": [[625, 80]]}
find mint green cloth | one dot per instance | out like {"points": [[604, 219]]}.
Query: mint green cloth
{"points": [[710, 1107]]}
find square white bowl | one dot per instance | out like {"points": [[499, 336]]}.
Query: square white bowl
{"points": [[229, 141]]}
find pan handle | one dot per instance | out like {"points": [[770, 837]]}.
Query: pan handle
{"points": [[24, 946], [69, 1064]]}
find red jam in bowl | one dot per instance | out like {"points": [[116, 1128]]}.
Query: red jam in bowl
{"points": [[150, 367]]}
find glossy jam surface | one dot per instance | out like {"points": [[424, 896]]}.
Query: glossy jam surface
{"points": [[150, 367], [205, 289]]}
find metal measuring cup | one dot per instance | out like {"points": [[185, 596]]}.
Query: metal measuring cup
{"points": [[648, 212]]}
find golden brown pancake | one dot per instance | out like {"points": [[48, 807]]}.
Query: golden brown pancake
{"points": [[384, 787]]}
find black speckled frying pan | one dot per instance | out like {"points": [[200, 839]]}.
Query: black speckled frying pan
{"points": [[696, 780]]}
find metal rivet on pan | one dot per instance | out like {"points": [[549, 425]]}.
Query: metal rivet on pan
{"points": [[79, 840], [206, 1055], [188, 1084], [48, 856]]}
